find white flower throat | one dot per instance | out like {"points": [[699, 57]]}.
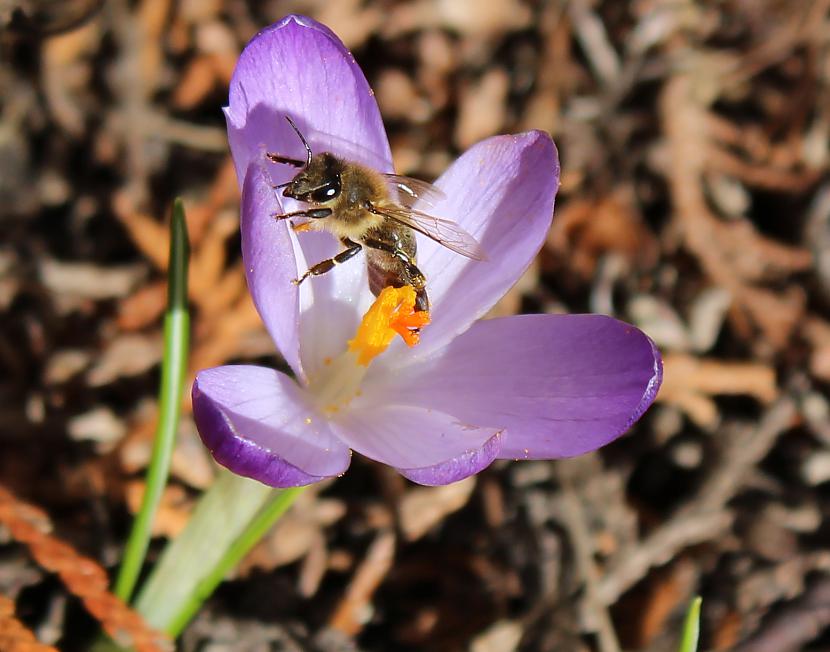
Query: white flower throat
{"points": [[338, 383], [392, 313]]}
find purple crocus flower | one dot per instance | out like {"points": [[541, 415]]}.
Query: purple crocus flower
{"points": [[525, 387]]}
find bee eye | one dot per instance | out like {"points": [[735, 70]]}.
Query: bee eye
{"points": [[327, 191]]}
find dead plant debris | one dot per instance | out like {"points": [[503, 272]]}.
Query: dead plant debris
{"points": [[693, 202]]}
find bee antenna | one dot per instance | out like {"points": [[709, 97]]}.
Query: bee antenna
{"points": [[302, 138]]}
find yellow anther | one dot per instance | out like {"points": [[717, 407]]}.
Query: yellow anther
{"points": [[392, 312]]}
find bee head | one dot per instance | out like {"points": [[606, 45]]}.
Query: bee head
{"points": [[318, 182]]}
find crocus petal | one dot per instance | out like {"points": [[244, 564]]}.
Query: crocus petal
{"points": [[259, 424], [331, 305], [270, 264], [501, 191], [415, 438], [299, 68], [457, 468], [559, 385]]}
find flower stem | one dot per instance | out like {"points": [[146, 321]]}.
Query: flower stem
{"points": [[173, 369], [229, 519]]}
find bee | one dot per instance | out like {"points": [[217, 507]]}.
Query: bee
{"points": [[367, 209]]}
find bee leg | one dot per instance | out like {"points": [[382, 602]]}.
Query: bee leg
{"points": [[277, 158], [301, 228], [327, 265], [421, 302], [418, 281], [315, 213]]}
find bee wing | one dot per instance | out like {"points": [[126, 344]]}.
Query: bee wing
{"points": [[411, 190], [444, 232]]}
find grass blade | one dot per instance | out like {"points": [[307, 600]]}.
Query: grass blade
{"points": [[173, 369], [691, 627]]}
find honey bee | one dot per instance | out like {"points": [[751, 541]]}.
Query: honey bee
{"points": [[367, 209]]}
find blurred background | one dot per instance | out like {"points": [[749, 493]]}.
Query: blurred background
{"points": [[695, 203]]}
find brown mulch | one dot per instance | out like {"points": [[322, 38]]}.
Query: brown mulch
{"points": [[695, 203]]}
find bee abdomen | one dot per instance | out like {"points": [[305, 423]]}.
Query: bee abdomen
{"points": [[385, 270], [381, 277]]}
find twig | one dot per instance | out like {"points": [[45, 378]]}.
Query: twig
{"points": [[729, 253], [704, 517], [762, 176], [349, 617], [659, 548], [593, 37], [187, 134], [740, 457], [583, 549], [795, 625]]}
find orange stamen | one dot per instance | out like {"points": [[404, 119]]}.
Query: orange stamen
{"points": [[392, 312]]}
